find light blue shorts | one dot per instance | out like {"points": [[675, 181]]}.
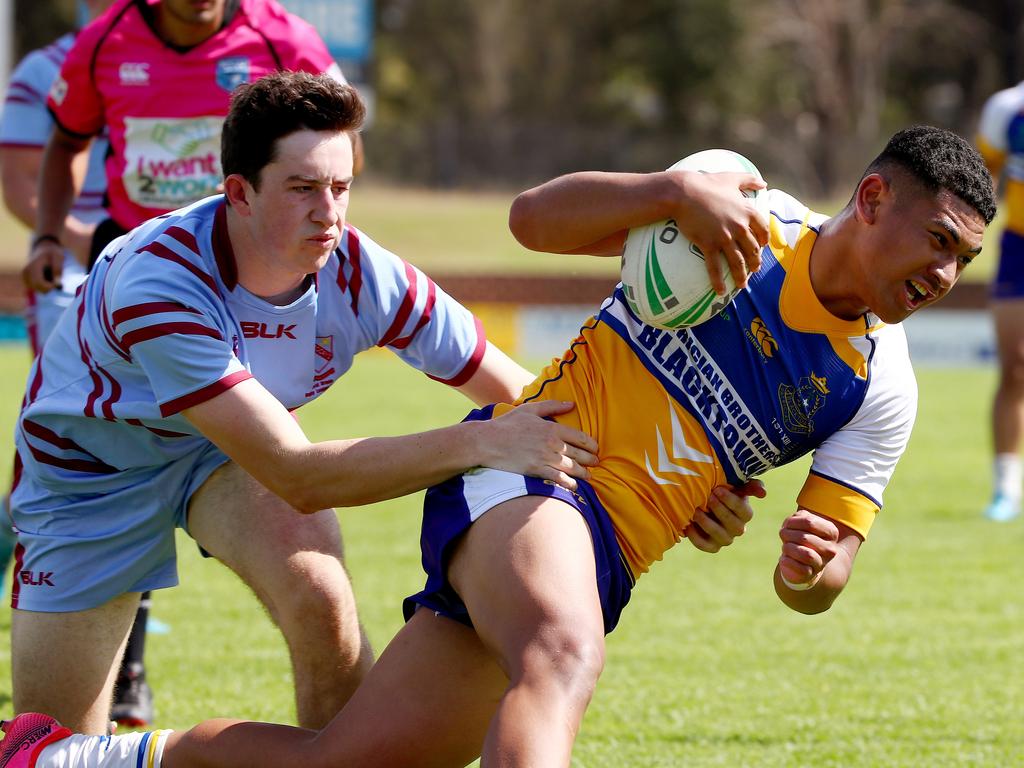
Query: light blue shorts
{"points": [[78, 551]]}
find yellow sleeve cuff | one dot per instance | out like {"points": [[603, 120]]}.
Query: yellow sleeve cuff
{"points": [[838, 502]]}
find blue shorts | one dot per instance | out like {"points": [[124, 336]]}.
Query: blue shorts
{"points": [[1009, 280], [80, 550], [451, 507]]}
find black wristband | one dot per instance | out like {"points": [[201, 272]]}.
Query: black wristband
{"points": [[46, 239]]}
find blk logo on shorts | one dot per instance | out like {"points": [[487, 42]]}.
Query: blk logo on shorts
{"points": [[36, 578]]}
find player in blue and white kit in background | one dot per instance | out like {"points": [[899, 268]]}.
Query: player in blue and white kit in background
{"points": [[1000, 140]]}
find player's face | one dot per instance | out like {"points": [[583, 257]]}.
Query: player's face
{"points": [[199, 13], [922, 244], [299, 209]]}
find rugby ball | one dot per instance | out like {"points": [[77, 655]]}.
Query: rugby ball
{"points": [[664, 277]]}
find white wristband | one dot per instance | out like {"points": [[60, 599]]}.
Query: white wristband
{"points": [[800, 587]]}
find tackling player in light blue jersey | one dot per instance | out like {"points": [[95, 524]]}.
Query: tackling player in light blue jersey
{"points": [[162, 399]]}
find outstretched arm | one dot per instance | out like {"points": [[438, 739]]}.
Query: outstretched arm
{"points": [[816, 561], [591, 212], [255, 430]]}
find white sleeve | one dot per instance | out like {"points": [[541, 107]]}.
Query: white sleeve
{"points": [[852, 468]]}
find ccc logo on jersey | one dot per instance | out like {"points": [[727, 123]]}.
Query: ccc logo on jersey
{"points": [[762, 338]]}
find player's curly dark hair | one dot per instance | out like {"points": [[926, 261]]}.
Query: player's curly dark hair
{"points": [[940, 159], [277, 105]]}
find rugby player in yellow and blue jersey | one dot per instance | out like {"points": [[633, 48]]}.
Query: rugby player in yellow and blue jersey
{"points": [[1001, 141], [524, 579]]}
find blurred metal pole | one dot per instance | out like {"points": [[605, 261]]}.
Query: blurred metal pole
{"points": [[6, 42]]}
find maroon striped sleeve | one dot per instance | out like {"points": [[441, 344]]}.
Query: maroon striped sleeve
{"points": [[404, 309], [473, 363], [208, 392], [184, 237], [157, 330], [424, 318], [162, 251], [149, 308]]}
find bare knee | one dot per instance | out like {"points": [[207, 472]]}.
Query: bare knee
{"points": [[313, 588], [565, 662], [1011, 378]]}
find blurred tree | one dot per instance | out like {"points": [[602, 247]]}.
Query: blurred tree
{"points": [[36, 24], [835, 77], [507, 92]]}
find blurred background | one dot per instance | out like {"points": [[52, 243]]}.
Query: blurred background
{"points": [[474, 100], [503, 93]]}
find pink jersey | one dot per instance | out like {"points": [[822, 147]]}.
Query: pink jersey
{"points": [[164, 106]]}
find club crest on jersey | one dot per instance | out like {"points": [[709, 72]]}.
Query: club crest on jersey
{"points": [[324, 354], [800, 403], [232, 72]]}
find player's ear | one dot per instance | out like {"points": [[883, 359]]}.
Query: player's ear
{"points": [[871, 193], [238, 192]]}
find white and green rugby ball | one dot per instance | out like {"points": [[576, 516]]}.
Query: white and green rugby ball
{"points": [[664, 277]]}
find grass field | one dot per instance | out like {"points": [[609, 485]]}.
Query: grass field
{"points": [[919, 663]]}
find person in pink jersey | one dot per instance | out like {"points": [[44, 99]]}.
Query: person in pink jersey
{"points": [[157, 75]]}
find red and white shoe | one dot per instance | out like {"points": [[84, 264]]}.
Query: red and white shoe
{"points": [[26, 736]]}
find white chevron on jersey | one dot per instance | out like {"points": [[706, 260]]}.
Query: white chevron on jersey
{"points": [[680, 450]]}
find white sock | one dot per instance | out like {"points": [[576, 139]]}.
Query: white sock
{"points": [[1007, 475], [127, 751]]}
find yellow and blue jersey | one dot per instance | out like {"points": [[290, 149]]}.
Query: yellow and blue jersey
{"points": [[1000, 140], [771, 378]]}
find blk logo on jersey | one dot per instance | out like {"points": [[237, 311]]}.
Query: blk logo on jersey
{"points": [[800, 403], [253, 330]]}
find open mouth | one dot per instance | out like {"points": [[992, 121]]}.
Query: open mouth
{"points": [[917, 293]]}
